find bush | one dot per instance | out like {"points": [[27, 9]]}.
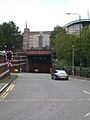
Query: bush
{"points": [[62, 64], [86, 72], [68, 69]]}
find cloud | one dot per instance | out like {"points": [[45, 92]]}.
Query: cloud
{"points": [[41, 14]]}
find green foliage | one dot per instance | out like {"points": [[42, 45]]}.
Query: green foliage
{"points": [[1, 38], [62, 43], [86, 46], [86, 72], [10, 36], [62, 64]]}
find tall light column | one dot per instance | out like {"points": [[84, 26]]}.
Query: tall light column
{"points": [[73, 60], [56, 60], [80, 39]]}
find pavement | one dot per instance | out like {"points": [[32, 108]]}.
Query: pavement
{"points": [[78, 77], [4, 83]]}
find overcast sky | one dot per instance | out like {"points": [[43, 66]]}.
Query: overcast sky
{"points": [[42, 15]]}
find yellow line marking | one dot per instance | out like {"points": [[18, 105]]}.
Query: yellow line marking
{"points": [[7, 91]]}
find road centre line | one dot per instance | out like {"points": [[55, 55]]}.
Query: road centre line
{"points": [[86, 92], [88, 114]]}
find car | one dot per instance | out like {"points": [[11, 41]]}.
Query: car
{"points": [[59, 74]]}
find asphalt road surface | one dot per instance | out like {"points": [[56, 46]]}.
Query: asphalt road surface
{"points": [[37, 97]]}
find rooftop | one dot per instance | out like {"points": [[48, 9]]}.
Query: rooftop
{"points": [[77, 22]]}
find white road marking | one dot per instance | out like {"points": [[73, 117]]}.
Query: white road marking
{"points": [[19, 74], [86, 92], [3, 87], [88, 114], [7, 91]]}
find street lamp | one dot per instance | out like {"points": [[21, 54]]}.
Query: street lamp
{"points": [[80, 39], [73, 60], [79, 22], [57, 31]]}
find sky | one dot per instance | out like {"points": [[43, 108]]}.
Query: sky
{"points": [[42, 15]]}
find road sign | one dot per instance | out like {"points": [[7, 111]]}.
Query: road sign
{"points": [[9, 55], [9, 64]]}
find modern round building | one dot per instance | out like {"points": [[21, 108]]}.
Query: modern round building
{"points": [[74, 26]]}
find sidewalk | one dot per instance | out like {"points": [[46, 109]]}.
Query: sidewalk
{"points": [[78, 77], [6, 81]]}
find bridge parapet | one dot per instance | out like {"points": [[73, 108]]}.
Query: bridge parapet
{"points": [[18, 62], [4, 71]]}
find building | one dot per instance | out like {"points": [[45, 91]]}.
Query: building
{"points": [[74, 26], [36, 46], [36, 40]]}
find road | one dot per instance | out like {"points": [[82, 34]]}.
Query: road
{"points": [[36, 97]]}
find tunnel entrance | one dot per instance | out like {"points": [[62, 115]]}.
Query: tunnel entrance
{"points": [[39, 63]]}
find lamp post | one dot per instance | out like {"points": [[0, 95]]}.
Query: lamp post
{"points": [[73, 60], [56, 61], [80, 39]]}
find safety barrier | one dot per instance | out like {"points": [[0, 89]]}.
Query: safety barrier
{"points": [[4, 70], [18, 64]]}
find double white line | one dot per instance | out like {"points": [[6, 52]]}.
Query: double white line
{"points": [[6, 92]]}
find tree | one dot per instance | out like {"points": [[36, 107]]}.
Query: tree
{"points": [[61, 43], [10, 36], [2, 42], [85, 44]]}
